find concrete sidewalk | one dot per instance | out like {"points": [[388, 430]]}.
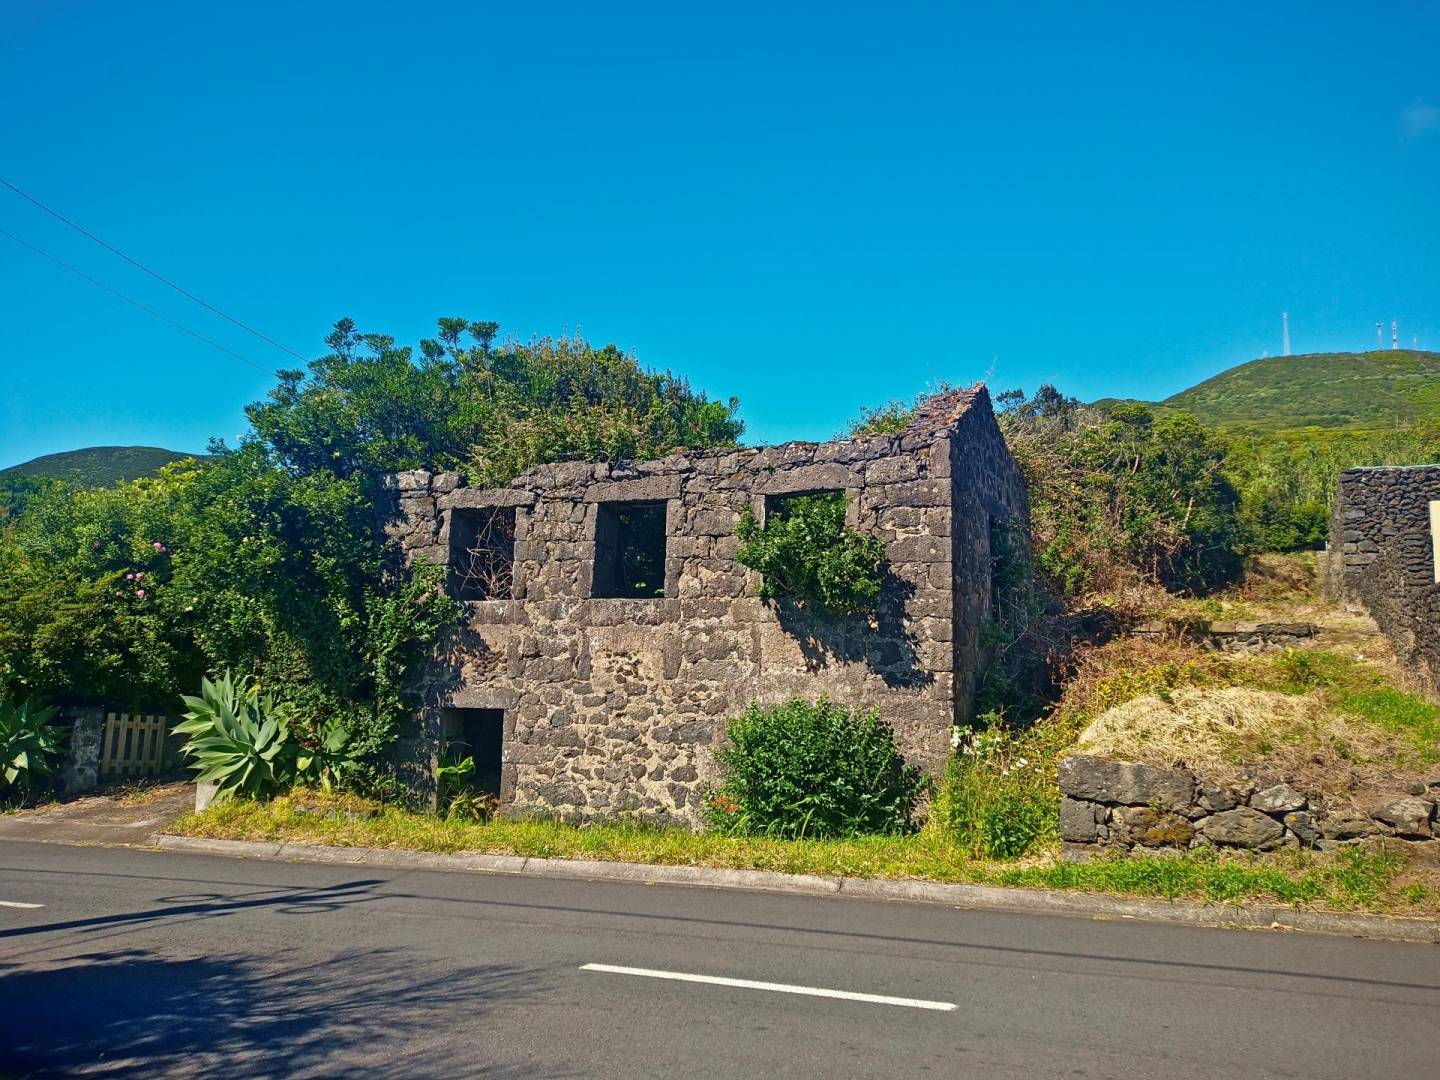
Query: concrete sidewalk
{"points": [[133, 818]]}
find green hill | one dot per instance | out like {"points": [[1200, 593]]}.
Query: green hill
{"points": [[98, 466], [1340, 391]]}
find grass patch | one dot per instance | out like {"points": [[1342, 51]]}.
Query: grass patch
{"points": [[1356, 879], [1398, 713]]}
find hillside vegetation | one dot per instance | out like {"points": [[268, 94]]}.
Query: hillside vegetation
{"points": [[97, 466], [1355, 391]]}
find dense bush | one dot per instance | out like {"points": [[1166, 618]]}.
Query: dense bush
{"points": [[1117, 495], [1120, 493], [489, 410], [817, 769], [805, 553], [130, 594], [1287, 480]]}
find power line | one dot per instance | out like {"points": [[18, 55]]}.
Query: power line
{"points": [[158, 277], [136, 303]]}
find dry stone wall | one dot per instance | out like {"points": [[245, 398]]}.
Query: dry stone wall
{"points": [[612, 705], [1382, 558], [1126, 805], [1231, 637]]}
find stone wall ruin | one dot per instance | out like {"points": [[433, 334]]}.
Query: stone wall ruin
{"points": [[1384, 557], [604, 669]]}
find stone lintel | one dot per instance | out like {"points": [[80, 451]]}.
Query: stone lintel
{"points": [[482, 697], [824, 477], [474, 498], [645, 489]]}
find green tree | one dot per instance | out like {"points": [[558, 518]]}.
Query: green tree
{"points": [[267, 560], [371, 406], [130, 594]]}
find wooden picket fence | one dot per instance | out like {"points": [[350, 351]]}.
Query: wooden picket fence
{"points": [[133, 745]]}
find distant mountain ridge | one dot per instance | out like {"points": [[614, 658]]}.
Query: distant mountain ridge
{"points": [[1340, 391], [98, 466]]}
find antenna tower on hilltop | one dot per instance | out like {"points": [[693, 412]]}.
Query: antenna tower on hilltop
{"points": [[1285, 332]]}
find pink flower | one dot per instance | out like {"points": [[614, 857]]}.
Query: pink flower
{"points": [[129, 577], [140, 593]]}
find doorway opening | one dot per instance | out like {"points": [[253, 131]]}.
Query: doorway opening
{"points": [[478, 734]]}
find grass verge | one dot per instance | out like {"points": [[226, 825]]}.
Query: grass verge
{"points": [[1356, 879]]}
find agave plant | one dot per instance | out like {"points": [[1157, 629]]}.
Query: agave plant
{"points": [[28, 744], [329, 759], [239, 739]]}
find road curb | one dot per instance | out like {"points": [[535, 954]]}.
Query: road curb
{"points": [[987, 897]]}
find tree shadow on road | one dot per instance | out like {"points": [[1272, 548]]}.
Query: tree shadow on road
{"points": [[372, 1012]]}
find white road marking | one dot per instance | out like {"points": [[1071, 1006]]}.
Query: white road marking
{"points": [[779, 988], [16, 903]]}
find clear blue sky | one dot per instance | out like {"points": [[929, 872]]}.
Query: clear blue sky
{"points": [[810, 209]]}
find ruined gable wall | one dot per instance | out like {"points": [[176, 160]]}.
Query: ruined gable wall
{"points": [[1382, 557], [993, 494]]}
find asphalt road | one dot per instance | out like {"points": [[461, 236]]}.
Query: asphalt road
{"points": [[151, 964]]}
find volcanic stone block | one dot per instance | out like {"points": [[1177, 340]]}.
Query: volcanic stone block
{"points": [[1124, 782], [1242, 827]]}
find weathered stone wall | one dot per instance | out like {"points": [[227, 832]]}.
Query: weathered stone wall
{"points": [[1126, 805], [611, 705], [1231, 637], [1382, 558], [80, 769]]}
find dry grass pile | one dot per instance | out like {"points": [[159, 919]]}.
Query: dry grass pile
{"points": [[1223, 733]]}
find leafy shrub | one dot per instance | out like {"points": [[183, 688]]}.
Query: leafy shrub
{"points": [[239, 739], [29, 743], [893, 417], [455, 796], [471, 404], [805, 769], [1122, 495], [994, 801], [805, 553], [329, 761]]}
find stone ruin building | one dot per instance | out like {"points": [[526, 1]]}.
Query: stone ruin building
{"points": [[609, 634], [1384, 557]]}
